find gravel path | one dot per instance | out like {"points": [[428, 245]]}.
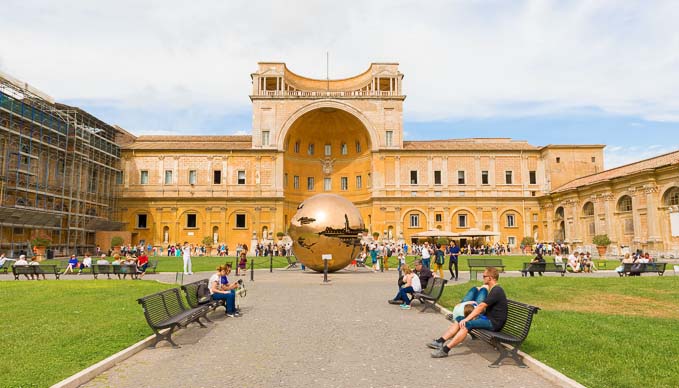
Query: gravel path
{"points": [[296, 332]]}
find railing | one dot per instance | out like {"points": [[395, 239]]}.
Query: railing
{"points": [[328, 93]]}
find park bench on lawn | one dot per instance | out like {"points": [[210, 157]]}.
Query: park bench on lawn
{"points": [[102, 269], [166, 310], [35, 270], [198, 294], [126, 269], [630, 269], [430, 295], [476, 264], [152, 267], [7, 265], [513, 333], [292, 262], [542, 267]]}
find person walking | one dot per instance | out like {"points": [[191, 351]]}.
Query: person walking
{"points": [[187, 259], [439, 260], [454, 253], [426, 255]]}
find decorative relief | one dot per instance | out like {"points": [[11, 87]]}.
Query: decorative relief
{"points": [[651, 189], [327, 165]]}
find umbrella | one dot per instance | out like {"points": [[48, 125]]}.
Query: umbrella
{"points": [[477, 233], [435, 233]]}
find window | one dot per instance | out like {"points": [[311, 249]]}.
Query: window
{"points": [[168, 177], [460, 177], [588, 209], [593, 159], [240, 221], [295, 182], [535, 217], [628, 226], [437, 177], [310, 183], [484, 177], [144, 178], [532, 178], [190, 220], [508, 177], [462, 220], [217, 177], [241, 177], [327, 184], [119, 177], [327, 150], [192, 177], [310, 149], [358, 146], [390, 138], [359, 182], [297, 147], [673, 197], [265, 138], [558, 159], [141, 221], [343, 149], [625, 204], [438, 217], [511, 241], [414, 220], [511, 221], [344, 183], [285, 180], [413, 177]]}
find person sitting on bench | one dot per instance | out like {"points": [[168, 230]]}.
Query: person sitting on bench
{"points": [[469, 302], [411, 285], [495, 308], [538, 260], [223, 292]]}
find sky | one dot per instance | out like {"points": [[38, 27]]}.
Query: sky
{"points": [[549, 72]]}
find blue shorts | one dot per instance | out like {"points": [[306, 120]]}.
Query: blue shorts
{"points": [[479, 323]]}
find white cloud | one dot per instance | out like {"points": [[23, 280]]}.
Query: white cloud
{"points": [[615, 156], [460, 59]]}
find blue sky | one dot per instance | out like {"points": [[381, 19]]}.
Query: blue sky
{"points": [[555, 72]]}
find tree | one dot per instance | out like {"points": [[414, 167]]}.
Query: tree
{"points": [[376, 235], [528, 241]]}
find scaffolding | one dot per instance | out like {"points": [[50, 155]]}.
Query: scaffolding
{"points": [[58, 169]]}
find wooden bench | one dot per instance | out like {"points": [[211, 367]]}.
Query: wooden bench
{"points": [[166, 310], [476, 264], [630, 270], [430, 295], [35, 270], [102, 269], [543, 267], [513, 333]]}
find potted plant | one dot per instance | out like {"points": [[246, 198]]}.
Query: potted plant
{"points": [[376, 235], [208, 241], [40, 243], [116, 242], [602, 242], [280, 235]]}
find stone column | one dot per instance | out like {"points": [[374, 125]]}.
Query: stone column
{"points": [[636, 217], [397, 172], [496, 223], [652, 218]]}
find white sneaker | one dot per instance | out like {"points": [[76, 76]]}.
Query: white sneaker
{"points": [[190, 273]]}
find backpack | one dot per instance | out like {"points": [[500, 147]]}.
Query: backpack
{"points": [[203, 294], [388, 252], [440, 258]]}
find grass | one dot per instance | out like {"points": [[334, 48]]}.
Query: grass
{"points": [[209, 263], [53, 329], [602, 332]]}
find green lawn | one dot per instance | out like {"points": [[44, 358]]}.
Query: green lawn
{"points": [[602, 332], [200, 264], [54, 329]]}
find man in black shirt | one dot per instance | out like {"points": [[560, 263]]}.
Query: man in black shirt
{"points": [[495, 308]]}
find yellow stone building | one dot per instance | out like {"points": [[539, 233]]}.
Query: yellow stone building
{"points": [[345, 136]]}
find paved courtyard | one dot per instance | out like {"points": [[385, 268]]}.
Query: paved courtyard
{"points": [[296, 332]]}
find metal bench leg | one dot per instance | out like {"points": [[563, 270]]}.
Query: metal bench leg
{"points": [[426, 305], [165, 337], [504, 353]]}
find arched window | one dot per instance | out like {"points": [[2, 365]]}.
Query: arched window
{"points": [[672, 197], [588, 209], [559, 213], [625, 204]]}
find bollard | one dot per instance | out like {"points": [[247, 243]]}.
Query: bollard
{"points": [[252, 270], [325, 271]]}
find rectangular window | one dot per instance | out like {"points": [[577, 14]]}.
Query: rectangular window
{"points": [[240, 221], [310, 183], [358, 147], [241, 177], [437, 177], [144, 177], [558, 160], [484, 177], [265, 138], [327, 150], [217, 177], [168, 177], [327, 184], [193, 176], [593, 159], [295, 182], [141, 221], [343, 149], [535, 217], [508, 177], [310, 149], [359, 181], [462, 220], [414, 220], [438, 217], [344, 183], [413, 177], [533, 178], [390, 138], [285, 180], [511, 222], [511, 241], [460, 178], [297, 147], [190, 220], [119, 177]]}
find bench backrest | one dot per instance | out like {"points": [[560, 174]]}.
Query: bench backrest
{"points": [[473, 262], [537, 267], [8, 263], [173, 302], [154, 308], [651, 267], [430, 285], [102, 268], [45, 268], [23, 269], [519, 319], [125, 269], [437, 288], [191, 291]]}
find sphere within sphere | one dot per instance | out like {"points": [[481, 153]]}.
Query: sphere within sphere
{"points": [[326, 224]]}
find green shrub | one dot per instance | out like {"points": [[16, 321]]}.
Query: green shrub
{"points": [[117, 241], [601, 240]]}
